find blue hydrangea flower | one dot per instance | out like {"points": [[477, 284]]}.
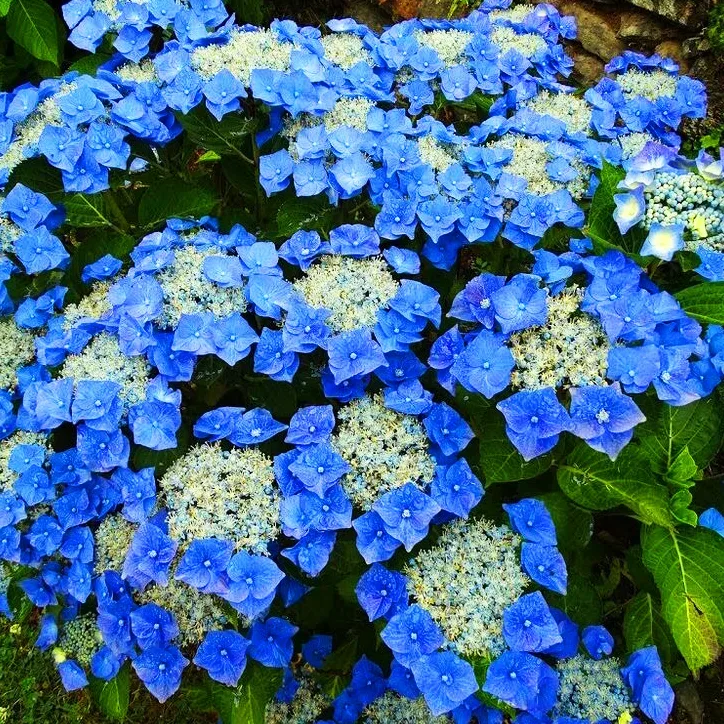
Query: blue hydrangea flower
{"points": [[523, 681], [598, 641], [406, 513], [604, 417], [160, 670], [412, 634], [223, 655], [204, 565], [271, 642], [381, 593], [529, 626], [153, 626], [444, 679]]}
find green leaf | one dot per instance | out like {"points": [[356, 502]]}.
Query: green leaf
{"points": [[500, 461], [643, 626], [93, 247], [698, 426], [592, 480], [581, 602], [209, 157], [89, 64], [5, 7], [602, 229], [225, 136], [574, 525], [86, 210], [112, 697], [313, 213], [679, 507], [174, 197], [39, 175], [33, 25], [704, 302], [683, 470], [688, 567], [247, 704], [248, 11]]}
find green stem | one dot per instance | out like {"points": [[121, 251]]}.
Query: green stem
{"points": [[117, 214], [255, 163]]}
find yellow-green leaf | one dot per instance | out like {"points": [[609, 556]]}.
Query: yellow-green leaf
{"points": [[33, 25], [688, 567]]}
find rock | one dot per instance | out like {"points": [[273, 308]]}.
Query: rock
{"points": [[588, 68], [692, 13], [598, 27], [645, 29], [673, 49], [367, 13]]}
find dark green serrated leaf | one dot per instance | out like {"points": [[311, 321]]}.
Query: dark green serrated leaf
{"points": [[309, 214], [112, 697], [688, 567], [500, 461], [644, 626], [248, 11], [280, 398], [581, 602], [704, 302], [224, 136], [698, 426], [39, 175], [601, 228], [86, 210], [175, 198], [247, 703], [89, 64], [33, 25], [592, 480], [574, 525]]}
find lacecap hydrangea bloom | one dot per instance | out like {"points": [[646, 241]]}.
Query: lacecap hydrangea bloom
{"points": [[645, 94], [132, 25], [679, 203], [187, 295], [373, 698], [390, 460], [67, 121], [547, 338], [27, 245], [170, 569], [466, 597], [350, 302], [594, 686]]}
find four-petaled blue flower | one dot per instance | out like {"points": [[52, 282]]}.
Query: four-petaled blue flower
{"points": [[223, 655]]}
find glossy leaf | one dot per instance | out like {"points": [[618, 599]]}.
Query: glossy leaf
{"points": [[592, 480], [688, 567], [34, 26]]}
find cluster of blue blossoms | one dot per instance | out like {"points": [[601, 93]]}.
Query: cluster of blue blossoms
{"points": [[190, 565], [608, 336], [202, 562], [469, 603], [524, 169]]}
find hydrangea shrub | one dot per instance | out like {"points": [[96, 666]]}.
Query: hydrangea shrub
{"points": [[325, 353]]}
